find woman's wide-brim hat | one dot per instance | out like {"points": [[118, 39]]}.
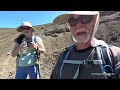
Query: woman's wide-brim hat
{"points": [[62, 19], [26, 24]]}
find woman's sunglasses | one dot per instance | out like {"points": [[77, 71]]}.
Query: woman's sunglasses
{"points": [[83, 19], [25, 28]]}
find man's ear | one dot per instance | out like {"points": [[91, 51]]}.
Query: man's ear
{"points": [[68, 26]]}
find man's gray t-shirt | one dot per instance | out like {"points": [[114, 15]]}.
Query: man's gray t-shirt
{"points": [[86, 71]]}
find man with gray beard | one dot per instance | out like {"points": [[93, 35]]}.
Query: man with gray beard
{"points": [[88, 58]]}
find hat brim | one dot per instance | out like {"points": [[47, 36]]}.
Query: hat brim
{"points": [[62, 19], [20, 30]]}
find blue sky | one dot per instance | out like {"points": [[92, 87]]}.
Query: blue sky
{"points": [[12, 19]]}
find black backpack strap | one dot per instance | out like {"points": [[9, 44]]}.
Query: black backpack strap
{"points": [[37, 50], [35, 39]]}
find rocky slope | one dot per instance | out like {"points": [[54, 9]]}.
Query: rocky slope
{"points": [[56, 38]]}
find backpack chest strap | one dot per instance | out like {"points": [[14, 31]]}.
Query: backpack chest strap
{"points": [[96, 62]]}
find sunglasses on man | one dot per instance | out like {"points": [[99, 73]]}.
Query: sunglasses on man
{"points": [[25, 28], [83, 19]]}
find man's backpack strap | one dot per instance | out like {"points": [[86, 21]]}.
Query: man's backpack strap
{"points": [[107, 61], [63, 57]]}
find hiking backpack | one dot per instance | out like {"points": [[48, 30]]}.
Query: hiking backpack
{"points": [[105, 57]]}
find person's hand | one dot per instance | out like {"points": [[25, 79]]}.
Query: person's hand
{"points": [[33, 45], [22, 45]]}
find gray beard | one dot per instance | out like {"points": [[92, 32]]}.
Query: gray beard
{"points": [[82, 40]]}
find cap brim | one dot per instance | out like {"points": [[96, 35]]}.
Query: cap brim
{"points": [[62, 19], [20, 30]]}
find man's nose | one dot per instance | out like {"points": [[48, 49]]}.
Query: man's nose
{"points": [[79, 24]]}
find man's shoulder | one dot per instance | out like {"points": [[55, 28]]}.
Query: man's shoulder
{"points": [[114, 47], [71, 46], [67, 48], [115, 50]]}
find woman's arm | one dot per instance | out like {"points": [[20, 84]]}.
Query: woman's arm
{"points": [[41, 47], [16, 49]]}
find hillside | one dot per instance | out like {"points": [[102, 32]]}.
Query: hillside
{"points": [[56, 38]]}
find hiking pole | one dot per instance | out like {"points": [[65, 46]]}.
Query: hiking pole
{"points": [[37, 62], [38, 70]]}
